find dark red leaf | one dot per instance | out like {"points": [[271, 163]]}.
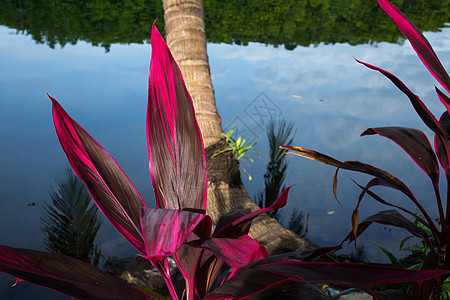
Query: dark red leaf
{"points": [[108, 185], [65, 274], [165, 230], [428, 222], [356, 166], [425, 114], [391, 218], [418, 42], [236, 253], [415, 143], [438, 142], [187, 260], [229, 218], [241, 225], [293, 290], [177, 157], [210, 273], [377, 182], [303, 255], [253, 279], [444, 99]]}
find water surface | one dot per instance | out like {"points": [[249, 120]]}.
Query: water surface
{"points": [[330, 98]]}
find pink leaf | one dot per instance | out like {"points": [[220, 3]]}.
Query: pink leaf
{"points": [[165, 230], [65, 275], [253, 279], [424, 113], [418, 42], [108, 185], [444, 99], [176, 154], [415, 143], [241, 225], [236, 253]]}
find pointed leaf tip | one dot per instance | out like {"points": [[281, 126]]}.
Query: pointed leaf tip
{"points": [[415, 143], [241, 225], [65, 275], [108, 185], [176, 154], [418, 42]]}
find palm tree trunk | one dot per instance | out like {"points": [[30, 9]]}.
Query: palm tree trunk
{"points": [[186, 37]]}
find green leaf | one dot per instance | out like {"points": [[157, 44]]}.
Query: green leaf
{"points": [[389, 254]]}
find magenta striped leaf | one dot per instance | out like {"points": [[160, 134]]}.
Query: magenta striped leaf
{"points": [[176, 154], [424, 113], [65, 275], [444, 99], [187, 260], [383, 178], [377, 182], [241, 226], [254, 279], [356, 166], [108, 185], [391, 218], [418, 42], [213, 270], [428, 222], [165, 230], [231, 227], [438, 142], [349, 274], [415, 143], [236, 253]]}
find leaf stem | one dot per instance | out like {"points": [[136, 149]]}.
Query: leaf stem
{"points": [[163, 268], [448, 197], [439, 203]]}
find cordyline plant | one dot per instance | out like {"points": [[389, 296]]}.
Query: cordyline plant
{"points": [[179, 227], [416, 144]]}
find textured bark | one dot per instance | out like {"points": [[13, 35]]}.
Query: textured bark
{"points": [[186, 37], [227, 193]]}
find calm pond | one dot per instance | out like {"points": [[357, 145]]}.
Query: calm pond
{"points": [[290, 60]]}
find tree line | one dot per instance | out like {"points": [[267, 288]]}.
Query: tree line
{"points": [[288, 23]]}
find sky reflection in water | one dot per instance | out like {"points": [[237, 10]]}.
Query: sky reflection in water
{"points": [[330, 98]]}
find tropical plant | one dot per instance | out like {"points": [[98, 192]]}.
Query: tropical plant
{"points": [[416, 145], [237, 147], [179, 227], [70, 222], [239, 150]]}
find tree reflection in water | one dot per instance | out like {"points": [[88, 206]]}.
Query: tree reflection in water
{"points": [[70, 221], [280, 133]]}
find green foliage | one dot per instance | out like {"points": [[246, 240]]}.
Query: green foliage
{"points": [[276, 22], [389, 254], [422, 247], [420, 251], [297, 22], [239, 150], [70, 222], [237, 147], [99, 22]]}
